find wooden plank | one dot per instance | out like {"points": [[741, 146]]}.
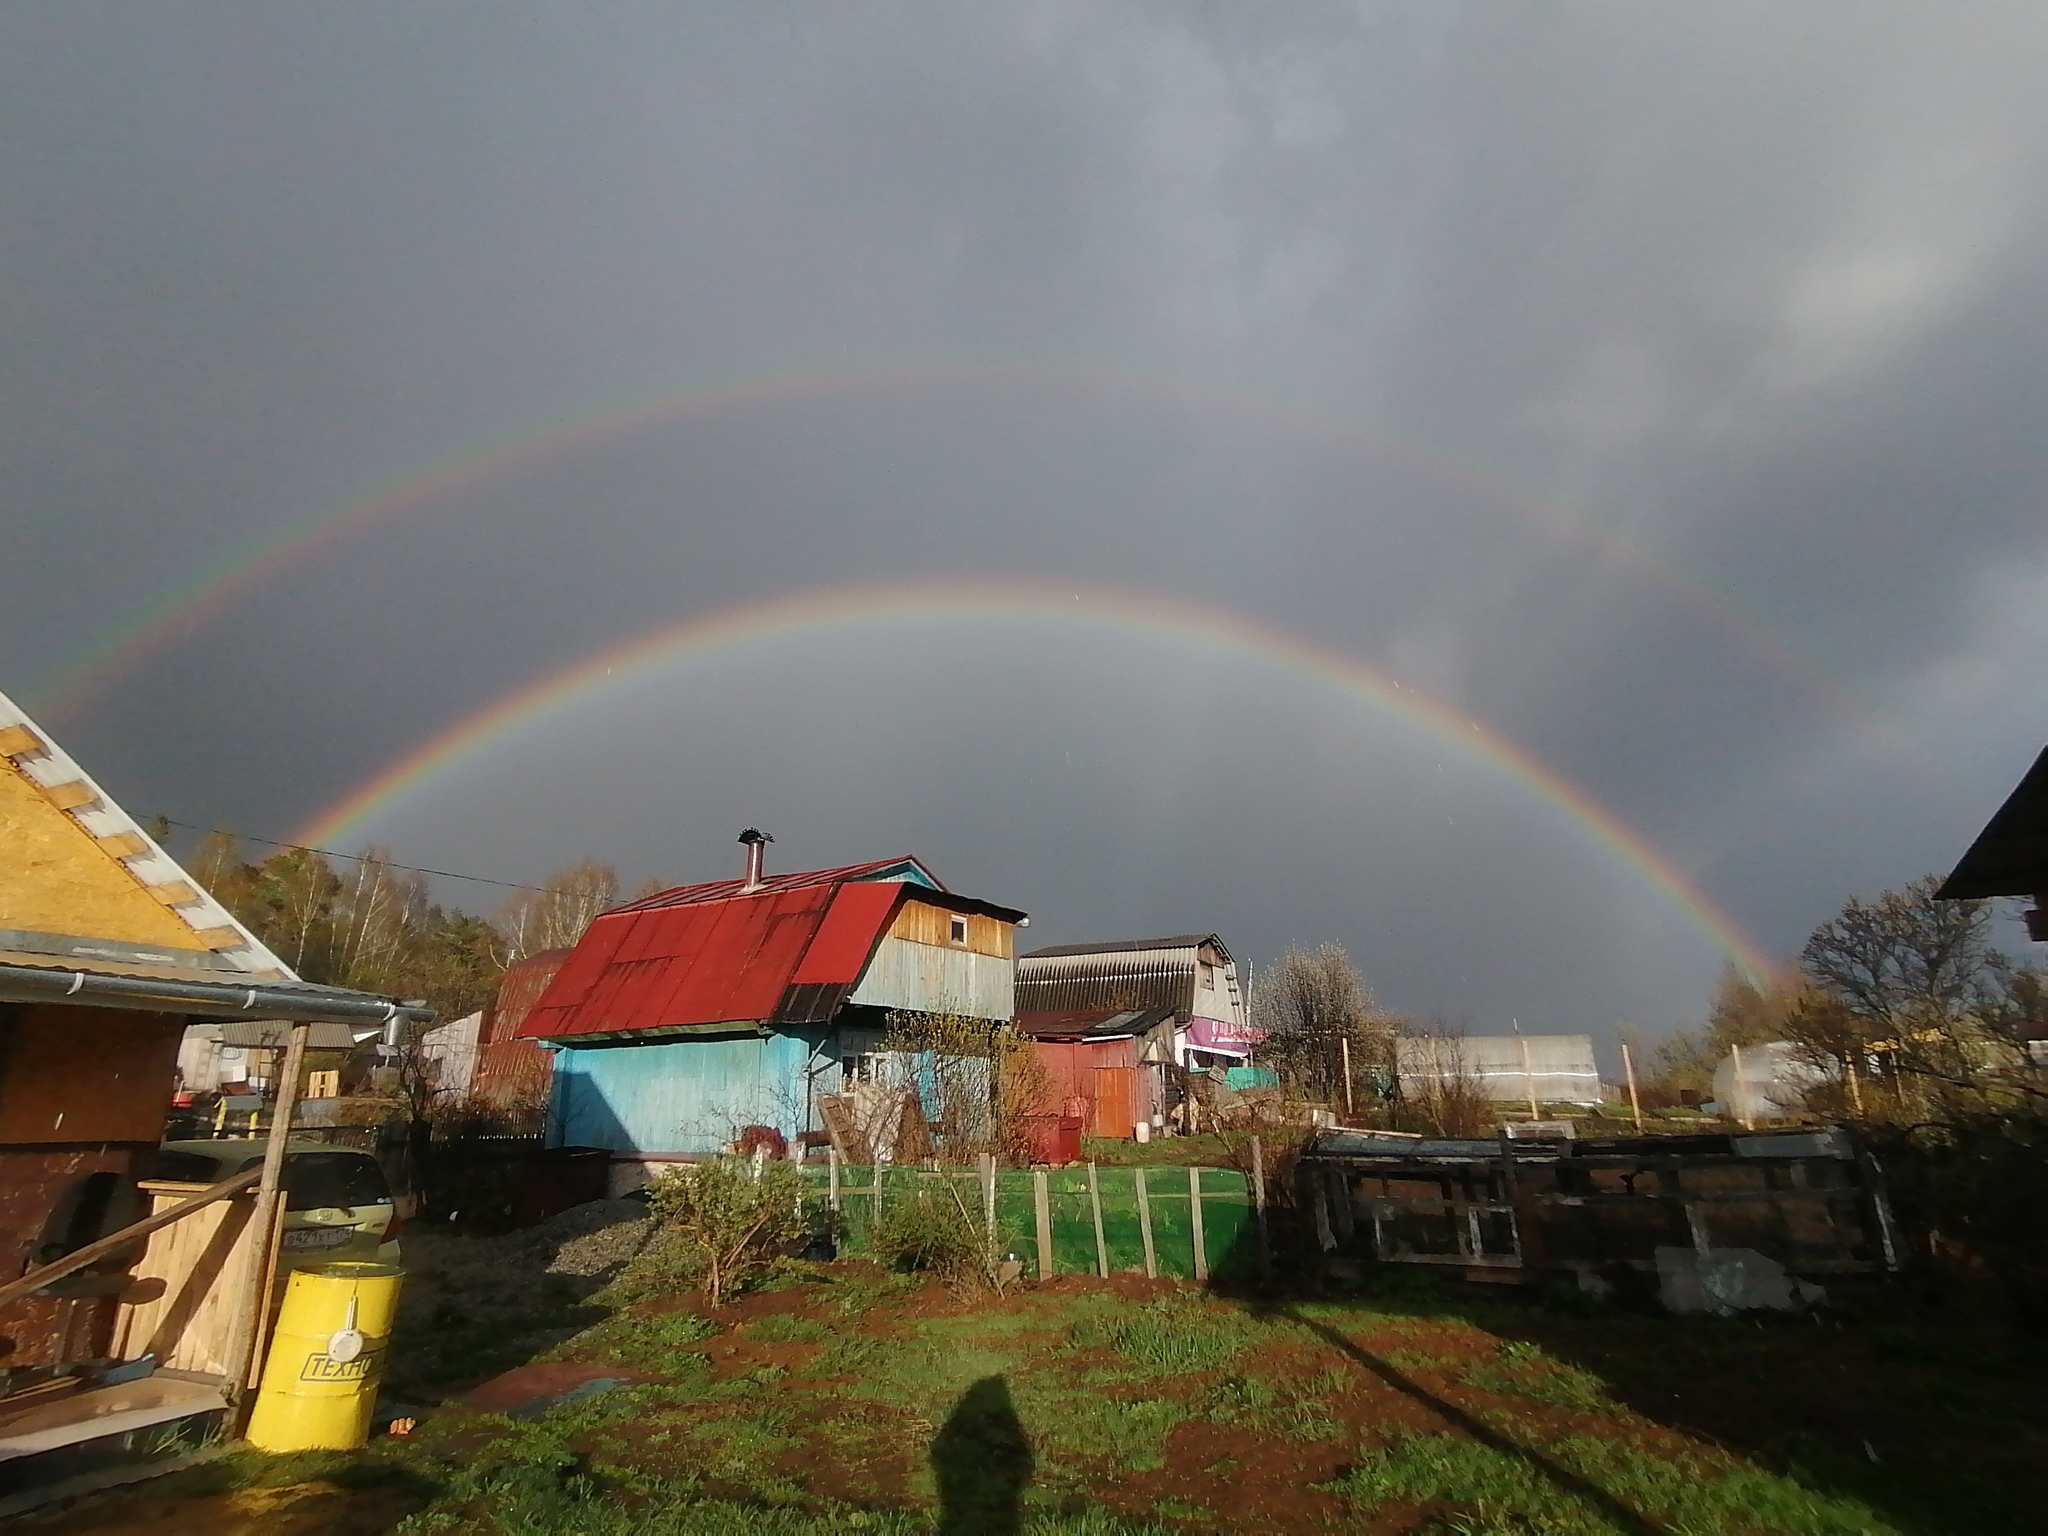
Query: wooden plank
{"points": [[1195, 1220], [220, 938], [174, 893], [91, 1253], [1095, 1210], [1041, 1202], [836, 1111], [1145, 1223], [69, 796], [124, 845], [18, 741], [252, 1317], [200, 1269], [922, 923]]}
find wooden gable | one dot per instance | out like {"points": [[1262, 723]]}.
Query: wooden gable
{"points": [[78, 876]]}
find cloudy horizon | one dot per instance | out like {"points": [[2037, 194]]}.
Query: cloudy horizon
{"points": [[1660, 388]]}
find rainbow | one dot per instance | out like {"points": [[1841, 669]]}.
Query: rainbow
{"points": [[622, 666], [295, 541]]}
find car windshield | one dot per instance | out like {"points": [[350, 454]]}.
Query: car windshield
{"points": [[316, 1180]]}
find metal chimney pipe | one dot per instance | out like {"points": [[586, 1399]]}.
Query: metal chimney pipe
{"points": [[756, 842]]}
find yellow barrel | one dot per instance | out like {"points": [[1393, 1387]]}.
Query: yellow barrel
{"points": [[326, 1357]]}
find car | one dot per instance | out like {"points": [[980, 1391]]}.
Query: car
{"points": [[337, 1205]]}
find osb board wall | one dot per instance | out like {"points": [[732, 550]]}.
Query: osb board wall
{"points": [[59, 880], [922, 924], [192, 1274], [86, 1074]]}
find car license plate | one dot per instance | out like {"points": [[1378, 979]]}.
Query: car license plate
{"points": [[318, 1237]]}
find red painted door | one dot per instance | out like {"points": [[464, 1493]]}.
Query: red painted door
{"points": [[1115, 1087]]}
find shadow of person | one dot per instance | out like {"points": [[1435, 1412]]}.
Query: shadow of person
{"points": [[981, 1460]]}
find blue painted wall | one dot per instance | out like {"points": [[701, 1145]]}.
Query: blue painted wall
{"points": [[686, 1095]]}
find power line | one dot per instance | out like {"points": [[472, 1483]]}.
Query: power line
{"points": [[358, 858]]}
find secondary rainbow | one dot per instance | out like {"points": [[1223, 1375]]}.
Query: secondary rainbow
{"points": [[248, 566], [620, 666]]}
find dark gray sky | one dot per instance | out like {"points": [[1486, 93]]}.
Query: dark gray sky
{"points": [[1661, 385]]}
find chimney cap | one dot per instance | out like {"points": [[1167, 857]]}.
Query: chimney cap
{"points": [[754, 836]]}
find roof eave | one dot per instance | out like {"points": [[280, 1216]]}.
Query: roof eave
{"points": [[81, 987]]}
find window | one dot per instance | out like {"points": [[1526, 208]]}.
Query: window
{"points": [[959, 927]]}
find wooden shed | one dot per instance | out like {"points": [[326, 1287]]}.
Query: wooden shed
{"points": [[108, 952]]}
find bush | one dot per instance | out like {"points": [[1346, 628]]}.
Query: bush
{"points": [[729, 1214], [935, 1232]]}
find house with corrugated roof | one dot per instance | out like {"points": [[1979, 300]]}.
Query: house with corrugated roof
{"points": [[1111, 1019], [681, 1019]]}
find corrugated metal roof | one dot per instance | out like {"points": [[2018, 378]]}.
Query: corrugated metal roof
{"points": [[901, 871], [785, 953], [1092, 1023], [1187, 941], [1098, 977], [519, 989], [276, 1034]]}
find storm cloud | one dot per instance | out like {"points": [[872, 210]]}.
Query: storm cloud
{"points": [[1661, 387]]}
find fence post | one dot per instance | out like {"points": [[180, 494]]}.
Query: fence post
{"points": [[1195, 1220], [1095, 1209], [1145, 1223], [1042, 1203], [1259, 1204], [988, 1201], [1635, 1105], [832, 1176]]}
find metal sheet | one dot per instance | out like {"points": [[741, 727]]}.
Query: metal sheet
{"points": [[926, 978]]}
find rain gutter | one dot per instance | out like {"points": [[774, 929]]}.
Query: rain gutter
{"points": [[223, 999]]}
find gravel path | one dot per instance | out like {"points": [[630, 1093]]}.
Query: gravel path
{"points": [[564, 1259]]}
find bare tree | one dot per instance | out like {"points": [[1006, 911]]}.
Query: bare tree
{"points": [[1747, 1010], [556, 916], [1320, 1018], [1918, 988], [1440, 1093]]}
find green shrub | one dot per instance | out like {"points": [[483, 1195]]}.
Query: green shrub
{"points": [[730, 1214], [934, 1232]]}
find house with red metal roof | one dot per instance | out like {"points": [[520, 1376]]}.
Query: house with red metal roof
{"points": [[681, 1018]]}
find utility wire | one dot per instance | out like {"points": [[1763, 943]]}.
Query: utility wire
{"points": [[358, 858]]}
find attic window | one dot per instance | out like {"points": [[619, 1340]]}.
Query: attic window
{"points": [[958, 929]]}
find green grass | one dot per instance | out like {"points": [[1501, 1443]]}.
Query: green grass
{"points": [[1171, 1334], [784, 1329], [1523, 1370], [660, 1345], [1129, 1405], [1500, 1491]]}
